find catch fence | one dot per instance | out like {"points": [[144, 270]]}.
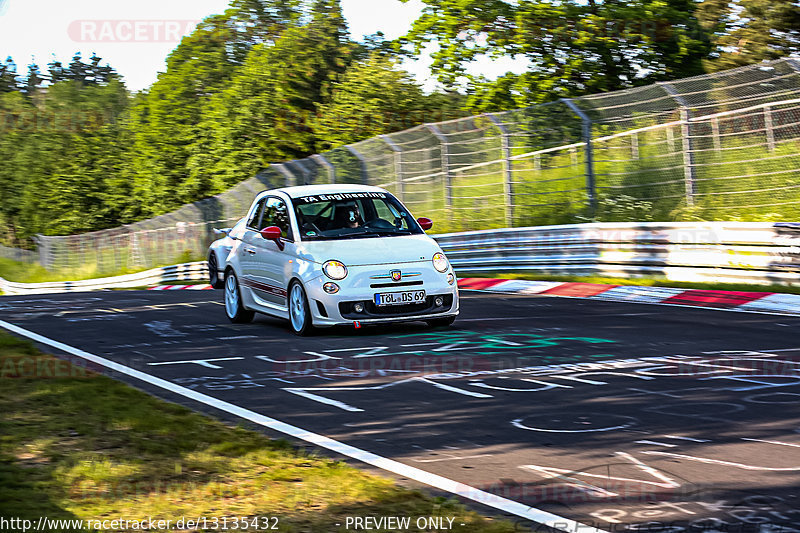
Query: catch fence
{"points": [[723, 146]]}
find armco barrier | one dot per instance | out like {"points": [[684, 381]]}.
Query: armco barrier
{"points": [[186, 272], [760, 253], [734, 252]]}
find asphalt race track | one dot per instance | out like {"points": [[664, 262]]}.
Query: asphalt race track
{"points": [[620, 416]]}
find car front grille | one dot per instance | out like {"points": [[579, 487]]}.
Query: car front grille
{"points": [[373, 311]]}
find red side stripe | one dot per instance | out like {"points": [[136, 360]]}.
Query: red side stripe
{"points": [[578, 290], [478, 284], [722, 299]]}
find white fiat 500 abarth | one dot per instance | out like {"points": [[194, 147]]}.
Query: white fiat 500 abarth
{"points": [[325, 255]]}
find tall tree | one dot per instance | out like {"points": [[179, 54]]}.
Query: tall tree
{"points": [[372, 98], [8, 76], [77, 69], [573, 47], [748, 31], [56, 71], [34, 79], [267, 111]]}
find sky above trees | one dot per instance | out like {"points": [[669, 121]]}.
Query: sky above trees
{"points": [[27, 34]]}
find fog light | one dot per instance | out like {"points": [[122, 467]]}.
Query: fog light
{"points": [[451, 279], [439, 301], [358, 308], [330, 288]]}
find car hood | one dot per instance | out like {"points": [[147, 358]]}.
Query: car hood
{"points": [[377, 251]]}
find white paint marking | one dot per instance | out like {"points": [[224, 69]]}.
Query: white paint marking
{"points": [[451, 458], [654, 443], [436, 481], [546, 386], [518, 423], [774, 442], [454, 389], [163, 328], [549, 385], [202, 362], [420, 344], [759, 384], [500, 341], [724, 463], [358, 349], [451, 347], [551, 472], [657, 393], [581, 380], [690, 439], [320, 357], [322, 399]]}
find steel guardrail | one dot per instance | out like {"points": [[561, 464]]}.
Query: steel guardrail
{"points": [[758, 253]]}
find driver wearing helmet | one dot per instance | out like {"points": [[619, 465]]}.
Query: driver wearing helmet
{"points": [[348, 215]]}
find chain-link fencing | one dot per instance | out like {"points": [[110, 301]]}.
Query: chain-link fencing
{"points": [[723, 146]]}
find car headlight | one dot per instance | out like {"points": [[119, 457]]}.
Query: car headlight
{"points": [[334, 269], [439, 262]]}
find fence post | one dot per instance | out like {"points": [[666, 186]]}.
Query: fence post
{"points": [[322, 161], [290, 179], [688, 151], [715, 134], [398, 163], [591, 184], [362, 161], [448, 178], [769, 129], [508, 169], [635, 146]]}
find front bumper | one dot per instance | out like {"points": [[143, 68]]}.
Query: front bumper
{"points": [[361, 286]]}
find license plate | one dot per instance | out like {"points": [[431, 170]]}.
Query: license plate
{"points": [[399, 298]]}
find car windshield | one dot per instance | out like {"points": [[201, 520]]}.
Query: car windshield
{"points": [[352, 216]]}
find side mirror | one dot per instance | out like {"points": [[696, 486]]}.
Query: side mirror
{"points": [[273, 233], [425, 223]]}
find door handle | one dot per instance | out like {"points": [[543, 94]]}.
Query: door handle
{"points": [[251, 251]]}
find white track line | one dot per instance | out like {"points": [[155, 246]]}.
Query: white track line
{"points": [[439, 482]]}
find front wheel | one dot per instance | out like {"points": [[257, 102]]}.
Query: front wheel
{"points": [[213, 272], [299, 313], [233, 301], [442, 322]]}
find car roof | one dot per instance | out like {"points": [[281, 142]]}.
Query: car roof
{"points": [[338, 188]]}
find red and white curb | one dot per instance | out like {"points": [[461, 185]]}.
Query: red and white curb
{"points": [[181, 288], [756, 302]]}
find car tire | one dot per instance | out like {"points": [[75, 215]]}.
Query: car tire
{"points": [[213, 272], [442, 322], [234, 307], [299, 313]]}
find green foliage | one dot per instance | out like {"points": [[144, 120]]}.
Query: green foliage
{"points": [[748, 31], [275, 80], [372, 98], [573, 47]]}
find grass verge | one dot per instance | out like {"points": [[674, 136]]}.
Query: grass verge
{"points": [[646, 282], [79, 445]]}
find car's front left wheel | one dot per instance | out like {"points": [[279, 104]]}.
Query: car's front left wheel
{"points": [[299, 313], [233, 301]]}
